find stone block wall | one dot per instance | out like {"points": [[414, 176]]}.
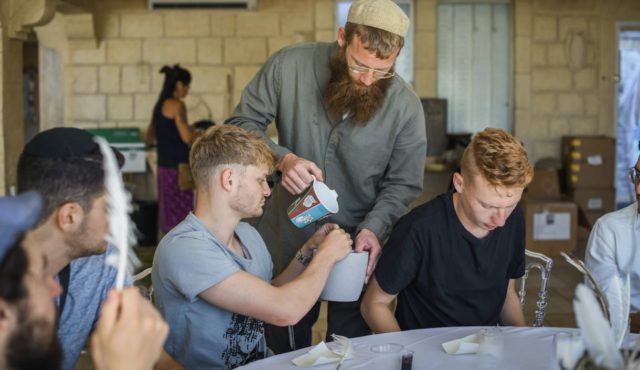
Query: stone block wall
{"points": [[116, 84], [554, 97]]}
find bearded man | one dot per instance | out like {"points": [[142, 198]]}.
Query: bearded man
{"points": [[345, 117]]}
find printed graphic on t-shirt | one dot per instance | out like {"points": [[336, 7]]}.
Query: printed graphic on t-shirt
{"points": [[242, 337]]}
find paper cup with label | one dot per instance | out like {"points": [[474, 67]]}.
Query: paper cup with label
{"points": [[314, 204], [346, 279]]}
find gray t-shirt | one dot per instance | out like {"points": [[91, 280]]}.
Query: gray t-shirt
{"points": [[188, 261]]}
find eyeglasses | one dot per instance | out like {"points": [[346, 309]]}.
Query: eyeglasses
{"points": [[377, 74], [634, 175]]}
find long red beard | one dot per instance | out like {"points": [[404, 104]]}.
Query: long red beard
{"points": [[344, 95]]}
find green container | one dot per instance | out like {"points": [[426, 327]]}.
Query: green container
{"points": [[127, 140]]}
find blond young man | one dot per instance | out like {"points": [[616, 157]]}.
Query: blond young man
{"points": [[213, 273], [453, 261]]}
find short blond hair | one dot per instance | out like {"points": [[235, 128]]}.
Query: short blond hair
{"points": [[499, 158], [227, 145]]}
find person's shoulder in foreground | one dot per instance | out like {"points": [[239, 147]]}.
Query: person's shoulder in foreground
{"points": [[90, 280]]}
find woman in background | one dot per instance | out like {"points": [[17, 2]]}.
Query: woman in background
{"points": [[172, 133]]}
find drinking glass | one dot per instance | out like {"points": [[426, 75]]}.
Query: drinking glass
{"points": [[490, 348], [388, 355]]}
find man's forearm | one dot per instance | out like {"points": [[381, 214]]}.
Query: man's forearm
{"points": [[302, 290], [512, 314], [293, 269], [379, 318]]}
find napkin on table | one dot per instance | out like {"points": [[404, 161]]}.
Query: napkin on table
{"points": [[320, 354], [462, 346]]}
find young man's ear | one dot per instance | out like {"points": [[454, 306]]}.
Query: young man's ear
{"points": [[342, 37], [227, 178], [458, 182], [7, 318], [69, 216]]}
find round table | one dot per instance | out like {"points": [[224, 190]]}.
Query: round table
{"points": [[525, 348]]}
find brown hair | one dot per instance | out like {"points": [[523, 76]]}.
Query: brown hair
{"points": [[227, 144], [384, 43], [499, 158]]}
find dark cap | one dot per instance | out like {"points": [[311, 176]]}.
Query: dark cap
{"points": [[17, 215], [66, 142]]}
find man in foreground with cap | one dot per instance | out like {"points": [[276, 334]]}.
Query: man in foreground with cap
{"points": [[212, 273], [345, 117], [65, 165], [130, 332], [453, 261]]}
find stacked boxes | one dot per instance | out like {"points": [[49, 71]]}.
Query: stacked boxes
{"points": [[551, 226], [589, 163], [551, 219], [593, 203]]}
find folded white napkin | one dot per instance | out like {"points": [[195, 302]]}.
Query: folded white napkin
{"points": [[320, 354], [462, 346]]}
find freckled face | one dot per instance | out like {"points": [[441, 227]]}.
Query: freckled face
{"points": [[485, 206]]}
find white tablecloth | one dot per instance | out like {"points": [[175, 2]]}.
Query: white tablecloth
{"points": [[524, 349]]}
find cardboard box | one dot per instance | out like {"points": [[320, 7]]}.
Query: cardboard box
{"points": [[551, 226], [588, 219], [589, 161], [545, 185], [594, 200]]}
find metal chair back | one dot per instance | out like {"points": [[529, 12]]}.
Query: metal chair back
{"points": [[544, 264]]}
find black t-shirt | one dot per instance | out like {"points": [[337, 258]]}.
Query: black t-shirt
{"points": [[444, 275]]}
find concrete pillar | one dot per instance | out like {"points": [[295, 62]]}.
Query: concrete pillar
{"points": [[17, 17]]}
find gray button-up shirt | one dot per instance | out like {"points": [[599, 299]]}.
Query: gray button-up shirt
{"points": [[377, 169]]}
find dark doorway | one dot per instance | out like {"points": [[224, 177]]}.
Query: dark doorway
{"points": [[30, 87]]}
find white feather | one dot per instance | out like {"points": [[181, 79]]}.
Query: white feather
{"points": [[119, 206], [569, 350], [596, 332], [618, 296]]}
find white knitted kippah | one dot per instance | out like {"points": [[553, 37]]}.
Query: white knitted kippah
{"points": [[383, 14]]}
